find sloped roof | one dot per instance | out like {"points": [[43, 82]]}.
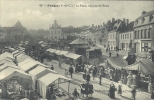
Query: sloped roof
{"points": [[79, 41], [11, 72], [117, 62], [18, 24], [128, 28], [146, 14]]}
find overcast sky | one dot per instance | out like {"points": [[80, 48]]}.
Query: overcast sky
{"points": [[32, 16]]}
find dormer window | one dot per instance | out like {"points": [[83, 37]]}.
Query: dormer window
{"points": [[150, 18], [142, 20]]}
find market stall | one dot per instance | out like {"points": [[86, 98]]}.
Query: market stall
{"points": [[37, 73], [72, 58], [19, 76], [44, 83], [145, 68]]}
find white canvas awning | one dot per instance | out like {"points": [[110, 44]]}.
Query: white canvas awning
{"points": [[38, 72], [11, 72], [6, 65], [22, 57], [27, 66], [25, 61], [46, 80], [72, 55]]}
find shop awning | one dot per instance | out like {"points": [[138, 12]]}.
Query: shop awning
{"points": [[72, 55], [11, 72]]}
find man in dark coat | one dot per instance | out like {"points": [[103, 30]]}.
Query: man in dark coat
{"points": [[71, 71], [94, 72], [88, 78]]}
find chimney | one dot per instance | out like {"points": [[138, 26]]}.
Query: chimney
{"points": [[113, 20], [126, 21]]}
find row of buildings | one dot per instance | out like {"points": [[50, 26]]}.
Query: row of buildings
{"points": [[119, 34], [138, 34]]}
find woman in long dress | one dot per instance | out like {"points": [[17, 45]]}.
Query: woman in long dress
{"points": [[129, 80], [112, 91], [134, 80]]}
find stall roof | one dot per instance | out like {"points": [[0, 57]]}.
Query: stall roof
{"points": [[29, 65], [4, 66], [63, 52], [6, 55], [40, 69], [11, 72], [37, 70], [50, 78], [72, 55], [146, 66], [22, 57], [3, 61], [26, 61], [117, 62]]}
